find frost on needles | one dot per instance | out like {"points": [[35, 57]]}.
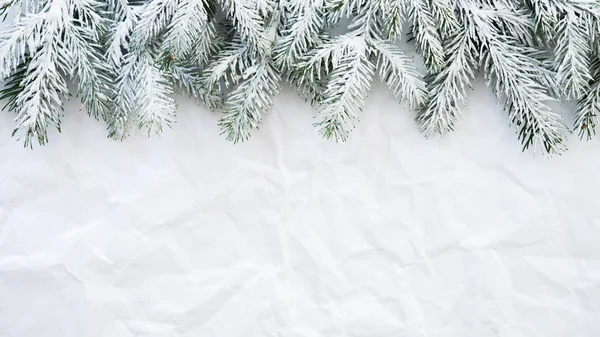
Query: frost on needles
{"points": [[126, 58]]}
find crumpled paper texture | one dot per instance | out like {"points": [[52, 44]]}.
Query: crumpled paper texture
{"points": [[290, 235]]}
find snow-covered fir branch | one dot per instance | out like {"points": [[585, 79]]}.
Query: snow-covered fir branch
{"points": [[187, 77], [573, 51], [426, 34], [301, 30], [493, 35], [125, 57], [448, 88], [156, 108], [247, 19], [191, 32], [515, 78], [344, 67], [53, 41], [226, 68], [588, 107], [346, 92], [399, 73], [153, 17], [250, 100]]}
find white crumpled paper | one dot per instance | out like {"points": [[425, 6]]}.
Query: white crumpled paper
{"points": [[289, 235]]}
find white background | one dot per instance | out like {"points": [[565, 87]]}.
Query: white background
{"points": [[289, 235]]}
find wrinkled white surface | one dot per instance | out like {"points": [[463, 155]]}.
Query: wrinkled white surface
{"points": [[289, 235]]}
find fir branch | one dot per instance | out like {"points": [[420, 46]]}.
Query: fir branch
{"points": [[399, 73], [304, 29], [94, 83], [154, 104], [226, 68], [501, 17], [266, 8], [124, 17], [19, 8], [583, 7], [448, 87], [23, 36], [186, 77], [595, 66], [515, 77], [588, 107], [319, 62], [153, 18], [309, 91], [425, 32], [545, 18], [39, 37], [14, 85], [243, 62], [346, 93], [7, 5], [394, 15], [246, 104], [190, 30], [338, 9], [443, 13], [81, 41], [367, 22], [39, 105], [547, 73], [88, 14], [248, 22], [572, 54], [143, 93], [586, 113], [310, 73], [125, 98], [208, 42]]}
